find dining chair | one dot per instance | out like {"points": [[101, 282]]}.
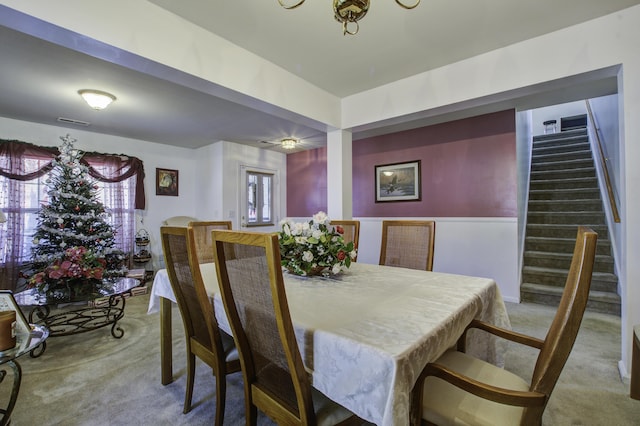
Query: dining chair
{"points": [[408, 244], [202, 237], [178, 221], [460, 389], [253, 294], [203, 339], [351, 232]]}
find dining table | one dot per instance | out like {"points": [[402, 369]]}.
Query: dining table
{"points": [[367, 333]]}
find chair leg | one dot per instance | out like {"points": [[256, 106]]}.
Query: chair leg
{"points": [[221, 391], [191, 373], [251, 413]]}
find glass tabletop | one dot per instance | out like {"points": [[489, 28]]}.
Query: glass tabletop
{"points": [[86, 292], [25, 342]]}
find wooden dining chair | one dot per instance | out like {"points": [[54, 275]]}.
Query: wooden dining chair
{"points": [[178, 221], [408, 244], [202, 237], [203, 339], [253, 293], [458, 386], [351, 232]]}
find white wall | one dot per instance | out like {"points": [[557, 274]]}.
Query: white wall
{"points": [[236, 159], [152, 154], [208, 181], [556, 112]]}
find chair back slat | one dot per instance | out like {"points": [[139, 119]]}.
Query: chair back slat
{"points": [[250, 277], [202, 237], [408, 244], [174, 247]]}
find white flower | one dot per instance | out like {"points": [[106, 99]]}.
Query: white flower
{"points": [[286, 229], [307, 256], [79, 224], [297, 229], [35, 241], [336, 268], [60, 221], [321, 218], [353, 254], [316, 234], [63, 244]]}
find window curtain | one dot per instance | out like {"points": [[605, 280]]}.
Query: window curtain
{"points": [[107, 168]]}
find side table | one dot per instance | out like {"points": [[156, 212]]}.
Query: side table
{"points": [[103, 305], [24, 343]]}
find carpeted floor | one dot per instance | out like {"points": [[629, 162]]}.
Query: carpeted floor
{"points": [[94, 379]]}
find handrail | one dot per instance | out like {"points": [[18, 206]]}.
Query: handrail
{"points": [[605, 169]]}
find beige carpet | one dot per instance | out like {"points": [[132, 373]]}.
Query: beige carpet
{"points": [[94, 379]]}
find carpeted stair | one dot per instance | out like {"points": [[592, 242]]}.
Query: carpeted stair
{"points": [[564, 194]]}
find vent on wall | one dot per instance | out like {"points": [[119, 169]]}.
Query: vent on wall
{"points": [[72, 121]]}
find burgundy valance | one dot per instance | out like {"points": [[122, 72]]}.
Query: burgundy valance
{"points": [[12, 167]]}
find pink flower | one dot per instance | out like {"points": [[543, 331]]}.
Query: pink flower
{"points": [[340, 229], [56, 273]]}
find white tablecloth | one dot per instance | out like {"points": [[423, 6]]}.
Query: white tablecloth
{"points": [[366, 335]]}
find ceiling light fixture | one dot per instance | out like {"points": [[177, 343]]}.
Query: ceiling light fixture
{"points": [[349, 12], [97, 99], [289, 143]]}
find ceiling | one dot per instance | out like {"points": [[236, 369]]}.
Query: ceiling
{"points": [[44, 66]]}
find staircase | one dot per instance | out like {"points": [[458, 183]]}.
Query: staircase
{"points": [[564, 194]]}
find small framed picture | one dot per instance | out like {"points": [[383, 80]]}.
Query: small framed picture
{"points": [[398, 182], [166, 182], [8, 303]]}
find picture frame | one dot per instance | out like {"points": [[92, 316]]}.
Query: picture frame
{"points": [[398, 182], [8, 303], [166, 182]]}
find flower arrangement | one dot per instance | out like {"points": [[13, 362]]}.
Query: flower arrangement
{"points": [[75, 264], [314, 247]]}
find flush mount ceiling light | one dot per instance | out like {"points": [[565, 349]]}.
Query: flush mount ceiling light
{"points": [[347, 11], [97, 99], [289, 143]]}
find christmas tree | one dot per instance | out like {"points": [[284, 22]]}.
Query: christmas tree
{"points": [[73, 242]]}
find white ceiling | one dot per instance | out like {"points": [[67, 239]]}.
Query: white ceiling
{"points": [[44, 66]]}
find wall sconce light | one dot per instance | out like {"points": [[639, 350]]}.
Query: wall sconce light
{"points": [[96, 99], [388, 173]]}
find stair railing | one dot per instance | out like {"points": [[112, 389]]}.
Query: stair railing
{"points": [[605, 168]]}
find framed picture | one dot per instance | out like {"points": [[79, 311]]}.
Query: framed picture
{"points": [[8, 303], [166, 182], [398, 182]]}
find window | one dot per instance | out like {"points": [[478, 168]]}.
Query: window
{"points": [[259, 198]]}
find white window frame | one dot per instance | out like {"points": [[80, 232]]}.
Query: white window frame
{"points": [[245, 171]]}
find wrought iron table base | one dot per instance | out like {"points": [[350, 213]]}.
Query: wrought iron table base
{"points": [[80, 320], [15, 389]]}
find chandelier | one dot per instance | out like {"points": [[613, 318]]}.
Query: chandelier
{"points": [[289, 143], [349, 12]]}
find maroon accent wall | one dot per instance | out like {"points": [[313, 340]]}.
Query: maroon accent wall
{"points": [[468, 169], [307, 182]]}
